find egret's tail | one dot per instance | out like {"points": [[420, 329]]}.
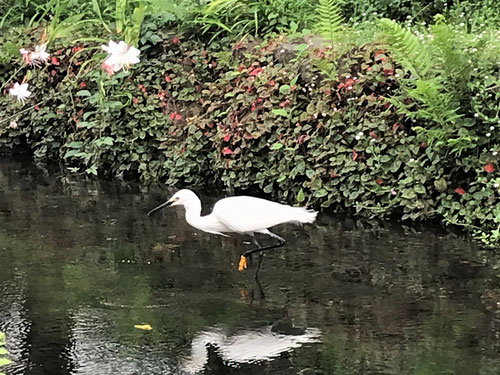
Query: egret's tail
{"points": [[303, 215]]}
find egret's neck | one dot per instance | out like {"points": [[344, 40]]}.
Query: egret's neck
{"points": [[193, 213]]}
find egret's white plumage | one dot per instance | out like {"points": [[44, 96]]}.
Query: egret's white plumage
{"points": [[241, 214]]}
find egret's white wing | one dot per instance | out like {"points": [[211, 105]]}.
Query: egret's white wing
{"points": [[249, 214]]}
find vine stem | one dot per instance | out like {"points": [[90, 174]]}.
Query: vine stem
{"points": [[12, 76], [27, 109]]}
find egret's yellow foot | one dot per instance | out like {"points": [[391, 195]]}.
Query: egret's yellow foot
{"points": [[243, 263]]}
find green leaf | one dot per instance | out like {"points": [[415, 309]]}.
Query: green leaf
{"points": [[284, 89], [280, 112], [70, 153], [75, 144], [107, 141], [92, 170], [3, 351], [83, 93], [300, 196], [4, 361], [294, 81], [268, 188], [320, 193], [419, 189], [276, 146], [440, 184]]}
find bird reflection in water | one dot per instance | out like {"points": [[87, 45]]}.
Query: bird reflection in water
{"points": [[216, 345]]}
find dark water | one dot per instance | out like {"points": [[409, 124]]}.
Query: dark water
{"points": [[81, 264]]}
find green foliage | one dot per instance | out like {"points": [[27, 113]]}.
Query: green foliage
{"points": [[406, 47], [3, 361], [330, 21], [405, 125], [257, 17]]}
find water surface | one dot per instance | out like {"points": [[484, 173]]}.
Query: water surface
{"points": [[81, 264]]}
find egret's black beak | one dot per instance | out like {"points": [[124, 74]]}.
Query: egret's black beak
{"points": [[166, 204]]}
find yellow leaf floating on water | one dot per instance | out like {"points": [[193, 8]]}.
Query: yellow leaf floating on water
{"points": [[145, 327]]}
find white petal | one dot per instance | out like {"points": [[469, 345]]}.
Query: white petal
{"points": [[110, 48]]}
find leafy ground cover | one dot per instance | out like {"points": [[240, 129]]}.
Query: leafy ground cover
{"points": [[329, 104]]}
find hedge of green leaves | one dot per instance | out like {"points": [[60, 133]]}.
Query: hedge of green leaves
{"points": [[303, 122]]}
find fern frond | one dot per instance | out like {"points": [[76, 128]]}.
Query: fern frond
{"points": [[452, 56], [330, 21], [406, 48]]}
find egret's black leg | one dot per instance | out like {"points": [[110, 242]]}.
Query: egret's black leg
{"points": [[262, 295], [263, 248], [243, 264], [261, 256], [257, 269]]}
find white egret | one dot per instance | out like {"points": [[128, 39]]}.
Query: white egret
{"points": [[241, 214]]}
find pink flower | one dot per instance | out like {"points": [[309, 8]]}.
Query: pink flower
{"points": [[25, 55], [107, 68], [37, 57], [488, 168], [13, 124]]}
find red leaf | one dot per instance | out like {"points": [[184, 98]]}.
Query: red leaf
{"points": [[256, 71], [227, 137], [379, 181], [373, 134], [175, 40], [460, 191], [174, 116], [167, 79], [54, 60], [354, 155], [227, 151], [488, 168]]}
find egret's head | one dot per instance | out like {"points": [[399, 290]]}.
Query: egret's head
{"points": [[184, 197]]}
